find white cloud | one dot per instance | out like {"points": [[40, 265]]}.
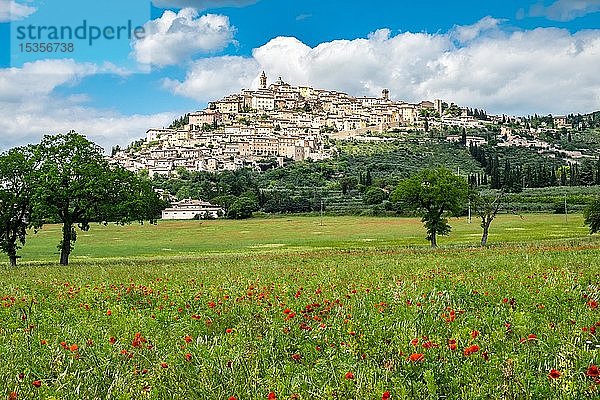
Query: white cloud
{"points": [[174, 38], [212, 78], [10, 10], [466, 33], [565, 10], [201, 5], [29, 107], [545, 70]]}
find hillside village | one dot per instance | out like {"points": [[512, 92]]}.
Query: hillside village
{"points": [[282, 122]]}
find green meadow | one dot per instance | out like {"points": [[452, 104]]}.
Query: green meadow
{"points": [[305, 308]]}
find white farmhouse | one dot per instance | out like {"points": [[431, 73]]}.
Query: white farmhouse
{"points": [[191, 209]]}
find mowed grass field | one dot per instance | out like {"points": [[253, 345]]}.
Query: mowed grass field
{"points": [[304, 308]]}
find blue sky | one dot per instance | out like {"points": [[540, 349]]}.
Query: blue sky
{"points": [[514, 57]]}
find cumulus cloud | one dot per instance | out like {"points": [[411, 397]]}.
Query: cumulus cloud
{"points": [[10, 10], [466, 33], [546, 70], [29, 107], [201, 5], [175, 37], [565, 10], [211, 78]]}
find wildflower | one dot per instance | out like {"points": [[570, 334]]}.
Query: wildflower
{"points": [[188, 357], [12, 396], [531, 337], [415, 342], [416, 357], [73, 347], [112, 340], [108, 312], [271, 396], [187, 339], [349, 375], [296, 357], [474, 334], [592, 304], [232, 398], [37, 383], [228, 330], [164, 365], [554, 374], [386, 395], [470, 350], [593, 371], [452, 344]]}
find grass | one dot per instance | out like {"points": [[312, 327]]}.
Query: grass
{"points": [[290, 306], [190, 238]]}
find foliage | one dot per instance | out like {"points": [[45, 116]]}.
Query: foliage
{"points": [[592, 215], [17, 167], [76, 186], [435, 194], [242, 208]]}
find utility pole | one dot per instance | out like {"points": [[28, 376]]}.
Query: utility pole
{"points": [[469, 212], [566, 211]]}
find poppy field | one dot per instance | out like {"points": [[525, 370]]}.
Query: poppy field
{"points": [[519, 320]]}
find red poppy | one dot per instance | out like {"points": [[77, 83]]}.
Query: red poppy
{"points": [[37, 383], [592, 304], [228, 330], [296, 357], [470, 350], [386, 395], [452, 344], [108, 312], [73, 347], [415, 342], [271, 396], [554, 374], [232, 398], [531, 337], [187, 339], [188, 357], [349, 375], [12, 396], [43, 341], [164, 365], [593, 371], [416, 357], [474, 334]]}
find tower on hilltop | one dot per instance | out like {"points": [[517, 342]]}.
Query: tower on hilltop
{"points": [[263, 80], [385, 94]]}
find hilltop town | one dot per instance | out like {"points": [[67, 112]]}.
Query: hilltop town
{"points": [[279, 121]]}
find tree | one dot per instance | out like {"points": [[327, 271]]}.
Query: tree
{"points": [[75, 185], [17, 167], [242, 208], [487, 207], [435, 194], [591, 215]]}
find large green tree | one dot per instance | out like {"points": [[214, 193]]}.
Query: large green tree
{"points": [[17, 167], [435, 194], [591, 215], [76, 186]]}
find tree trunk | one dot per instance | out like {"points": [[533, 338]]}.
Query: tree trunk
{"points": [[484, 237], [433, 241], [486, 230], [65, 245], [13, 259]]}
